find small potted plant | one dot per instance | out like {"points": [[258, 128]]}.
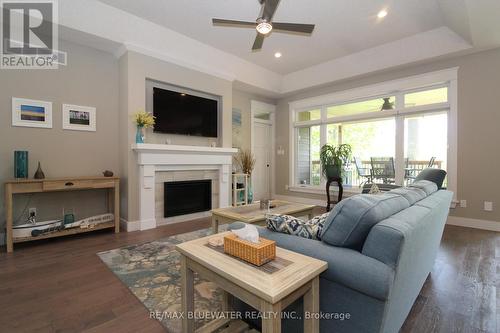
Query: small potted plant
{"points": [[143, 120], [333, 159]]}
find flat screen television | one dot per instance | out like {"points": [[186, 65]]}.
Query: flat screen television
{"points": [[179, 113]]}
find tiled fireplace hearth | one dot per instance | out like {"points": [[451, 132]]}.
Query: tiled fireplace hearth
{"points": [[159, 164]]}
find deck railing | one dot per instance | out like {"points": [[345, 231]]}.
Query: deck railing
{"points": [[352, 178]]}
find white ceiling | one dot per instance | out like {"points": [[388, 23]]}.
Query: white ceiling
{"points": [[343, 27], [349, 40]]}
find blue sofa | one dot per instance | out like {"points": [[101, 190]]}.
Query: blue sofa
{"points": [[376, 264]]}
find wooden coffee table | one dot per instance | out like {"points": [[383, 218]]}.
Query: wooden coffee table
{"points": [[253, 214], [267, 291]]}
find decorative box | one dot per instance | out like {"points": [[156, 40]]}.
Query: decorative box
{"points": [[257, 254]]}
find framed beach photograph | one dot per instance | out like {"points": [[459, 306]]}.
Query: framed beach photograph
{"points": [[79, 118], [31, 113]]}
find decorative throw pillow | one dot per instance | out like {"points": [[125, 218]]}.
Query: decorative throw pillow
{"points": [[291, 225]]}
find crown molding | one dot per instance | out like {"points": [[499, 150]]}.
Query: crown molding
{"points": [[177, 61]]}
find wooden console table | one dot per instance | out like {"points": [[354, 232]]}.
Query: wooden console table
{"points": [[27, 186]]}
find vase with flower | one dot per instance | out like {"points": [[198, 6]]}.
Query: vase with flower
{"points": [[142, 120]]}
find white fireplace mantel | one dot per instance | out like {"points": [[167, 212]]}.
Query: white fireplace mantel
{"points": [[157, 157]]}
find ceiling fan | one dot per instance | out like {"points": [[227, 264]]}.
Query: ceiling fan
{"points": [[264, 24]]}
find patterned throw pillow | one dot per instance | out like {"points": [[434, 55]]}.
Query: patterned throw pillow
{"points": [[291, 225]]}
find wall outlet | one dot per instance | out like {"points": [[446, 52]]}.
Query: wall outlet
{"points": [[463, 203], [488, 206], [32, 212]]}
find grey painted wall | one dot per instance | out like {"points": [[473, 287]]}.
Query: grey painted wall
{"points": [[89, 79], [478, 121], [242, 100]]}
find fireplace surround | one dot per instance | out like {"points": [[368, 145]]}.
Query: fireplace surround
{"points": [[152, 159]]}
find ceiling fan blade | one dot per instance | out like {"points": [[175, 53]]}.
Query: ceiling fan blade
{"points": [[294, 27], [242, 24], [257, 44], [269, 9]]}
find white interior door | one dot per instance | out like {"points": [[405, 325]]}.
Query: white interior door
{"points": [[261, 177]]}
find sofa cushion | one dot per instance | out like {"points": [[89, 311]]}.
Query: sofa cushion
{"points": [[351, 219], [291, 225], [426, 185], [412, 194]]}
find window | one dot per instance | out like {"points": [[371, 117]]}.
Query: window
{"points": [[368, 139], [372, 105], [308, 166], [391, 139], [263, 116], [427, 97], [309, 115], [426, 141]]}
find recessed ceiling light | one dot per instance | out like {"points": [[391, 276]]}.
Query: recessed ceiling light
{"points": [[382, 14], [277, 55]]}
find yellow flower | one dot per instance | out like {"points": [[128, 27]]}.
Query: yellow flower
{"points": [[144, 119]]}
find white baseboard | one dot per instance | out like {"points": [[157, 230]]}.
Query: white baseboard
{"points": [[130, 226], [474, 223], [306, 201]]}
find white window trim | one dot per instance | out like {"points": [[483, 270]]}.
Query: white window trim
{"points": [[426, 81]]}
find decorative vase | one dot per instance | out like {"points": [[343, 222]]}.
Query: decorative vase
{"points": [[250, 191], [20, 164], [139, 135], [39, 172]]}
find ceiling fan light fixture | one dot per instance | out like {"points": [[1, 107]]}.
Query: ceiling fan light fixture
{"points": [[383, 13], [264, 27]]}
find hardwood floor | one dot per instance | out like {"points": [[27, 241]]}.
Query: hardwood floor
{"points": [[62, 286], [461, 293]]}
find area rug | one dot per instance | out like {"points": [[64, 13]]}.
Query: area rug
{"points": [[152, 272]]}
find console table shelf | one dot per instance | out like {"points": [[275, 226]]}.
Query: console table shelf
{"points": [[28, 186], [72, 231], [237, 177]]}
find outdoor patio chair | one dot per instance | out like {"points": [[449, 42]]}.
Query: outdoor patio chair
{"points": [[383, 169], [363, 172]]}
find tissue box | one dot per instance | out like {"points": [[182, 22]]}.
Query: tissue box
{"points": [[257, 254]]}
